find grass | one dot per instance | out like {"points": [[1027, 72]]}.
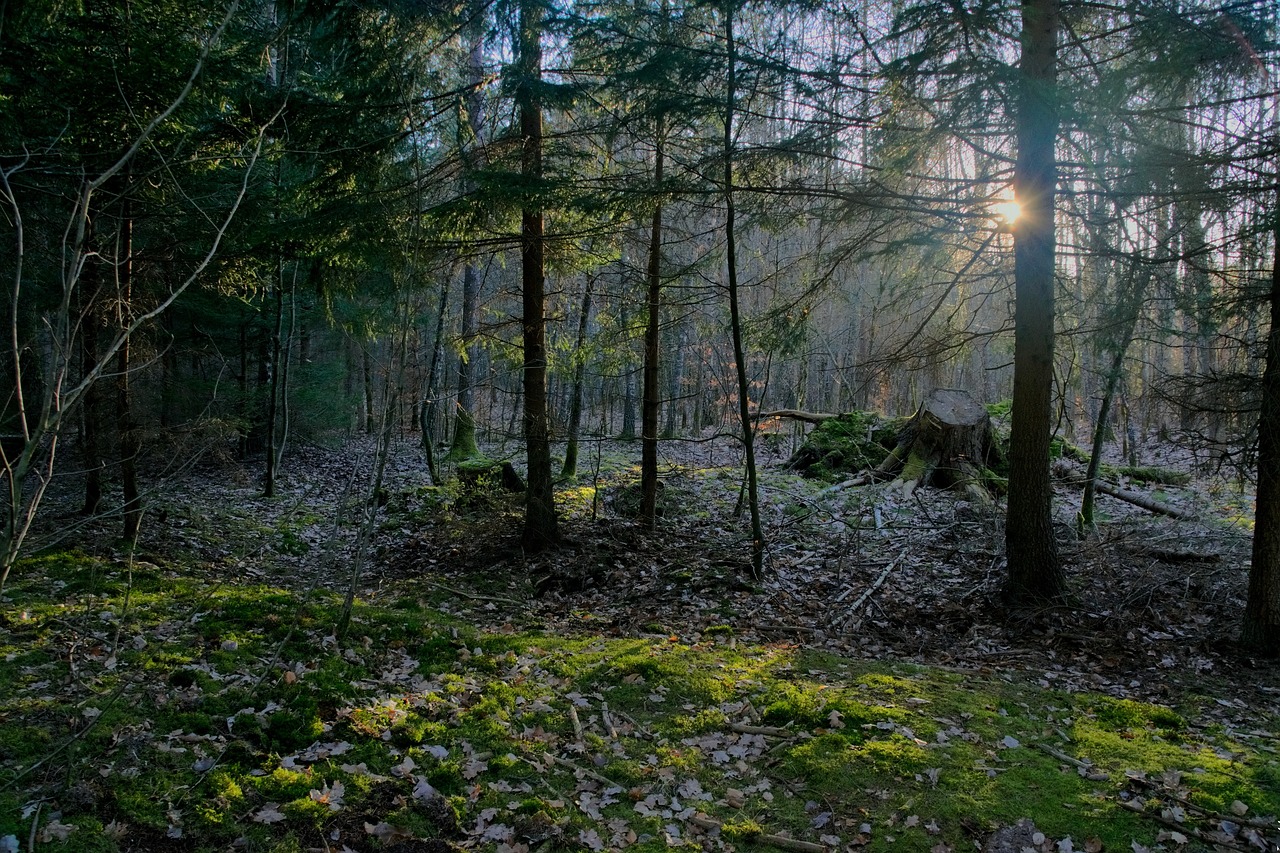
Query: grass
{"points": [[201, 715]]}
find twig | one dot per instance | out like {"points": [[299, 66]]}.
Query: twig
{"points": [[639, 729], [35, 823], [473, 596], [1197, 834], [780, 841], [1091, 772], [1254, 823], [848, 614], [607, 719], [770, 731], [1062, 756], [793, 629], [577, 723], [590, 774]]}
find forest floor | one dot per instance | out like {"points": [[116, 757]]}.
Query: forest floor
{"points": [[872, 660]]}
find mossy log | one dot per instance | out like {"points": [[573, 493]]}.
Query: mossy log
{"points": [[795, 415], [479, 473], [1150, 504]]}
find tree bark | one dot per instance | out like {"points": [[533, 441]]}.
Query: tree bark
{"points": [[92, 414], [798, 415], [541, 528], [429, 408], [1261, 629], [1034, 572], [570, 469], [273, 395], [628, 431], [366, 371], [128, 441], [735, 320], [1131, 306], [464, 432], [650, 404]]}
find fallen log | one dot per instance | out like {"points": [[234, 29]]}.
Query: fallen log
{"points": [[795, 415], [1077, 478]]}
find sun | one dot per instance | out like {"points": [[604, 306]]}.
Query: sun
{"points": [[1007, 211]]}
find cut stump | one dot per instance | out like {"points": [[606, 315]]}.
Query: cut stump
{"points": [[946, 444]]}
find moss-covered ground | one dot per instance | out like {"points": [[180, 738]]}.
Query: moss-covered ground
{"points": [[150, 707]]}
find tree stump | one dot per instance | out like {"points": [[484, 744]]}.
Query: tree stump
{"points": [[946, 444]]}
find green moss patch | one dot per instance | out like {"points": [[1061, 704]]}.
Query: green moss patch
{"points": [[207, 713]]}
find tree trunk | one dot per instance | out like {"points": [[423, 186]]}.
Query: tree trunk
{"points": [[735, 320], [128, 430], [464, 431], [1261, 628], [92, 414], [948, 442], [366, 371], [675, 380], [1131, 306], [429, 407], [653, 326], [570, 469], [541, 528], [273, 395], [242, 384], [628, 431], [1035, 574]]}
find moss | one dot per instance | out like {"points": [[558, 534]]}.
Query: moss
{"points": [[847, 443], [306, 810], [741, 829], [1150, 474], [1060, 448], [914, 468], [1118, 714], [282, 784]]}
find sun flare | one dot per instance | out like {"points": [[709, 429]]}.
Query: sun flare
{"points": [[1007, 211]]}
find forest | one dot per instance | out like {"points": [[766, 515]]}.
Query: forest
{"points": [[541, 425]]}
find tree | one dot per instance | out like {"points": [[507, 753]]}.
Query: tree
{"points": [[464, 430], [1035, 574], [735, 314], [105, 157], [1261, 628], [541, 527]]}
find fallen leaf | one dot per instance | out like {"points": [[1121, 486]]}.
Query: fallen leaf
{"points": [[270, 813], [386, 833], [56, 830], [330, 795]]}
